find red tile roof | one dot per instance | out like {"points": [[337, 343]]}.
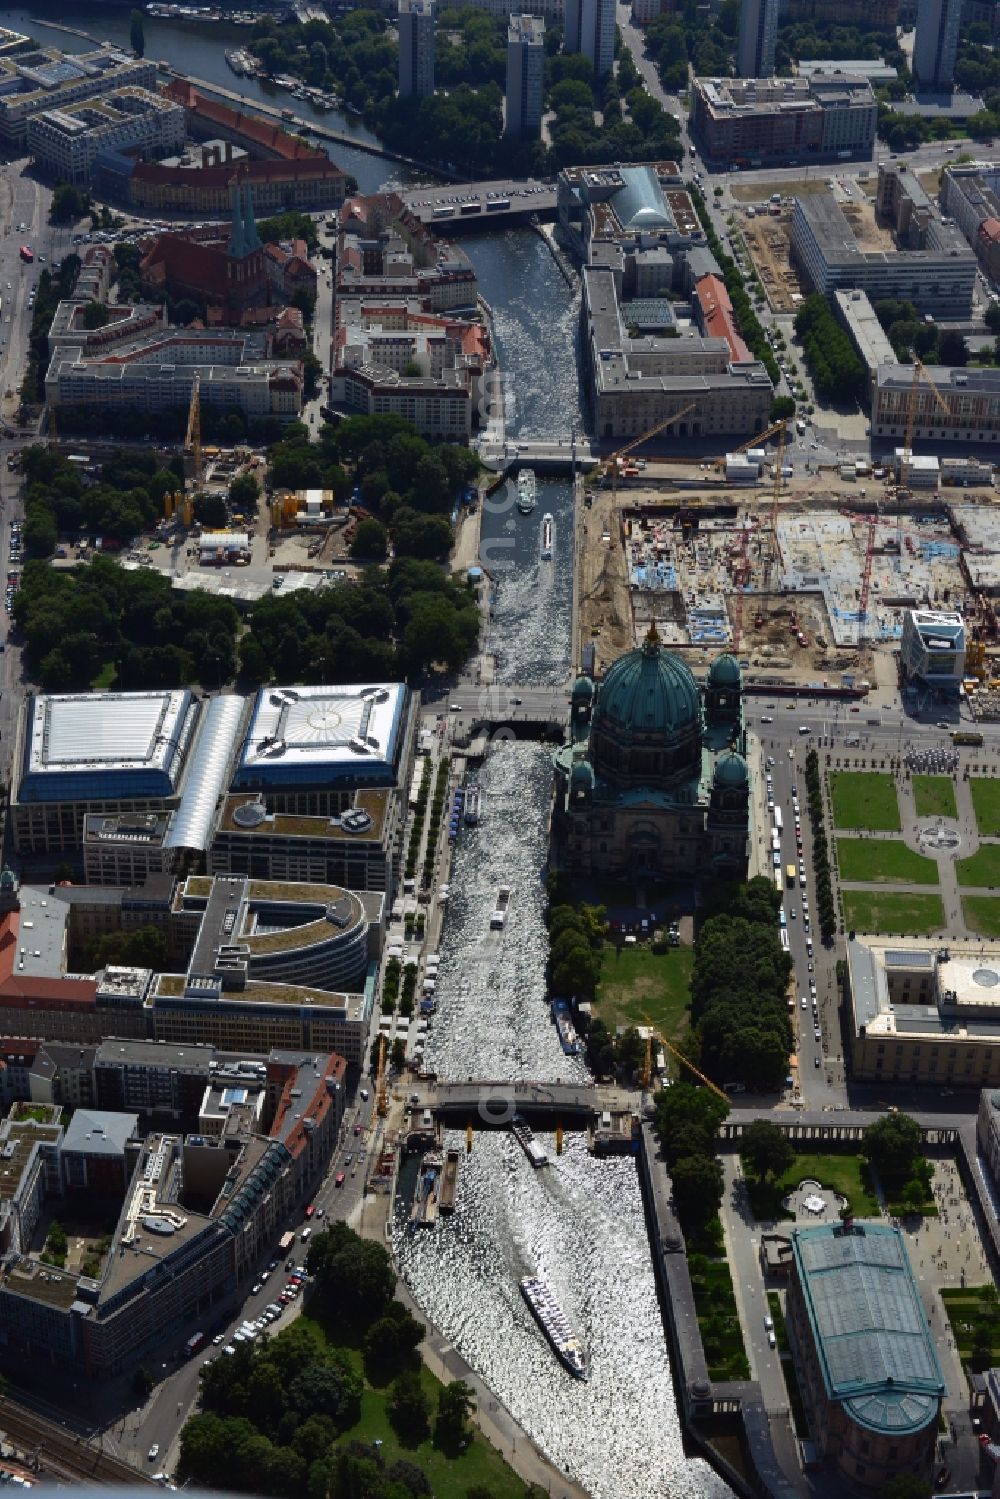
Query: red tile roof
{"points": [[717, 317], [990, 229], [270, 136]]}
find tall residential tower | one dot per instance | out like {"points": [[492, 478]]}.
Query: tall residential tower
{"points": [[935, 45], [758, 35], [416, 48], [525, 76], [590, 29]]}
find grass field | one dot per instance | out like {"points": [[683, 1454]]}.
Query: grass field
{"points": [[982, 914], [972, 1311], [892, 862], [986, 800], [449, 1477], [846, 1174], [864, 799], [758, 192], [934, 796], [718, 1318], [982, 869], [870, 911], [637, 983]]}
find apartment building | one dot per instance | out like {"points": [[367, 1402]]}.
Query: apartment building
{"points": [[757, 38], [971, 196], [525, 77], [43, 78], [590, 29], [935, 45], [65, 142], [415, 22]]}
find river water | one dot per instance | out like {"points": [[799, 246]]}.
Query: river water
{"points": [[579, 1222]]}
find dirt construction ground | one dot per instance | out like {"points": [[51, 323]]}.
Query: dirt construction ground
{"points": [[767, 240], [759, 192]]}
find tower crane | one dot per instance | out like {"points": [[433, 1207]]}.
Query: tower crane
{"points": [[686, 1061], [636, 442], [752, 442], [192, 438]]}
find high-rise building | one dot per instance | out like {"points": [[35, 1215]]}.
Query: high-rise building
{"points": [[416, 48], [525, 75], [935, 46], [758, 34], [590, 29]]}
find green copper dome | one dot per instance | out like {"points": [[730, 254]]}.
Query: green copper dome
{"points": [[649, 694], [731, 772], [583, 690], [725, 672]]}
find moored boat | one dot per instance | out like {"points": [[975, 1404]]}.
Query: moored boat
{"points": [[525, 1138], [568, 1038]]}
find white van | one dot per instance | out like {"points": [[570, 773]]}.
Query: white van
{"points": [[804, 728], [305, 1234]]}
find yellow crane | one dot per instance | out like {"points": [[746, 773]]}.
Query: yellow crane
{"points": [[637, 442], [192, 438], [686, 1061], [752, 442], [381, 1093]]}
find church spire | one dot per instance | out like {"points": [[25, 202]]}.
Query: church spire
{"points": [[251, 239], [236, 234], [651, 644]]}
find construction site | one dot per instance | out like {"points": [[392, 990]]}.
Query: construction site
{"points": [[805, 577]]}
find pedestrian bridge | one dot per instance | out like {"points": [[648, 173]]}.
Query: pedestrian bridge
{"points": [[485, 1104]]}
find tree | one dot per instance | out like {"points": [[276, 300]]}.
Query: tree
{"points": [[456, 1403], [993, 317], [684, 1104], [397, 1056], [893, 1143], [95, 315], [369, 542], [356, 1274], [409, 1408], [952, 348], [697, 1184], [327, 1386], [210, 511], [244, 494], [907, 1486], [782, 408], [137, 33], [68, 204], [765, 1149], [391, 1342]]}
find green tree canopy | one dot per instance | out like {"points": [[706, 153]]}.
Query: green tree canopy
{"points": [[765, 1149], [893, 1143]]}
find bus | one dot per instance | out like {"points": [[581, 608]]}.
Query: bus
{"points": [[784, 940], [194, 1343], [966, 736], [26, 253], [777, 819], [777, 880], [776, 860], [790, 876], [497, 205]]}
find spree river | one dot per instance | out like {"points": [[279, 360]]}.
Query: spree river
{"points": [[579, 1222]]}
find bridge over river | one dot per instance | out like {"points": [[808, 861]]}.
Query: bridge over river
{"points": [[488, 1104]]}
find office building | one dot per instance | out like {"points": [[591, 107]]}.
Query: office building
{"points": [[758, 122], [655, 779], [157, 373], [920, 1012], [525, 76], [855, 311], [968, 409], [199, 1211], [310, 749], [932, 649], [65, 142], [590, 29], [864, 1354], [928, 264], [757, 39], [45, 79], [935, 46], [358, 848], [971, 196], [416, 48]]}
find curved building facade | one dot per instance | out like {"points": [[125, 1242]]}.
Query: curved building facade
{"points": [[655, 779]]}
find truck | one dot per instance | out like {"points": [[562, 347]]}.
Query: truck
{"points": [[194, 1343], [286, 1242], [790, 876]]}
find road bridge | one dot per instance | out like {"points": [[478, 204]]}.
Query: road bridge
{"points": [[550, 456], [489, 1104], [470, 206]]}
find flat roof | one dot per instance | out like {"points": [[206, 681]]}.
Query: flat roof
{"points": [[323, 735], [83, 746], [871, 1335], [256, 822]]}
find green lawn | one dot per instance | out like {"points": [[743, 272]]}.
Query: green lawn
{"points": [[868, 911], [105, 679], [864, 799], [982, 914], [986, 800], [846, 1174], [934, 796], [640, 987], [877, 859], [450, 1478], [718, 1318], [982, 869], [972, 1310]]}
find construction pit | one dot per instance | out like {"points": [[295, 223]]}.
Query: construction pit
{"points": [[768, 241], [675, 557]]}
